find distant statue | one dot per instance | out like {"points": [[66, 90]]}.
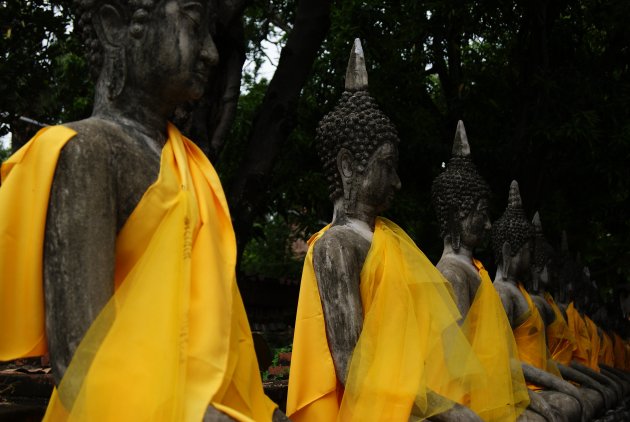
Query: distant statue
{"points": [[374, 316], [560, 339], [512, 241], [124, 237], [460, 197]]}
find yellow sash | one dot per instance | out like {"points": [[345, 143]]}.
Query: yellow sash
{"points": [[577, 326], [488, 329], [559, 337], [174, 337], [606, 353], [591, 327], [531, 341], [409, 347]]}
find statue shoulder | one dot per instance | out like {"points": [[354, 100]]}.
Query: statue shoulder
{"points": [[463, 277], [104, 160], [89, 143], [456, 271], [509, 293], [544, 308], [341, 244]]}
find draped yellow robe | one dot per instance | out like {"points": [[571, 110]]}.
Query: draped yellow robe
{"points": [[582, 352], [488, 329], [591, 327], [531, 340], [559, 337], [410, 344], [174, 338]]}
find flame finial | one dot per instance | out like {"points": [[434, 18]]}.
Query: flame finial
{"points": [[461, 148], [356, 74]]}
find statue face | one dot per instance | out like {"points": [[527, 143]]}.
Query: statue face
{"points": [[476, 225], [520, 264], [376, 186], [173, 59]]}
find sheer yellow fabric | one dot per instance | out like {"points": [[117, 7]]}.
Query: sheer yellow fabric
{"points": [[410, 346], [531, 340], [577, 326], [488, 329], [174, 337], [559, 337], [591, 327], [24, 196], [619, 351], [606, 353]]}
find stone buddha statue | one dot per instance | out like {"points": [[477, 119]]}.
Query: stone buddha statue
{"points": [[137, 247], [560, 340], [512, 241], [460, 197], [345, 322]]}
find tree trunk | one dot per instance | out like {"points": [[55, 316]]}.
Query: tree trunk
{"points": [[276, 118]]}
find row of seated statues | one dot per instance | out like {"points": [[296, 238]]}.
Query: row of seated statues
{"points": [[368, 293], [118, 257]]}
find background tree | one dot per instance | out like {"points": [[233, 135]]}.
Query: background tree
{"points": [[542, 86]]}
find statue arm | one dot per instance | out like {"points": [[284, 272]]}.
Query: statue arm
{"points": [[585, 381], [549, 381], [337, 266], [596, 376], [506, 299], [460, 288], [540, 406], [79, 247]]}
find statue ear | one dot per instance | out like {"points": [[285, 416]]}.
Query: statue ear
{"points": [[345, 163], [111, 29], [455, 228], [506, 252], [110, 25]]}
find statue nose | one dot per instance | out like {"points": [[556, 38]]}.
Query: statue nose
{"points": [[209, 52], [396, 182]]}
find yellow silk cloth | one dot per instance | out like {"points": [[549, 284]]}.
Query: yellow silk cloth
{"points": [[620, 352], [531, 340], [410, 345], [559, 337], [591, 327], [174, 338], [577, 326], [606, 353], [488, 329]]}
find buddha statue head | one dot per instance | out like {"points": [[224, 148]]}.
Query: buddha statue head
{"points": [[512, 239], [358, 146], [157, 52], [543, 257], [460, 197]]}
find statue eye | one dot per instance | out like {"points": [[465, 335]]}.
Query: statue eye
{"points": [[193, 11]]}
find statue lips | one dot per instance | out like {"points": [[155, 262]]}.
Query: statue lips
{"points": [[203, 72]]}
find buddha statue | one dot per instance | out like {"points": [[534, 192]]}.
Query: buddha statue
{"points": [[367, 292], [460, 197], [123, 248], [560, 340], [512, 242]]}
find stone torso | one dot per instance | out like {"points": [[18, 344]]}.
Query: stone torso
{"points": [[464, 278], [338, 258], [513, 301], [101, 176]]}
